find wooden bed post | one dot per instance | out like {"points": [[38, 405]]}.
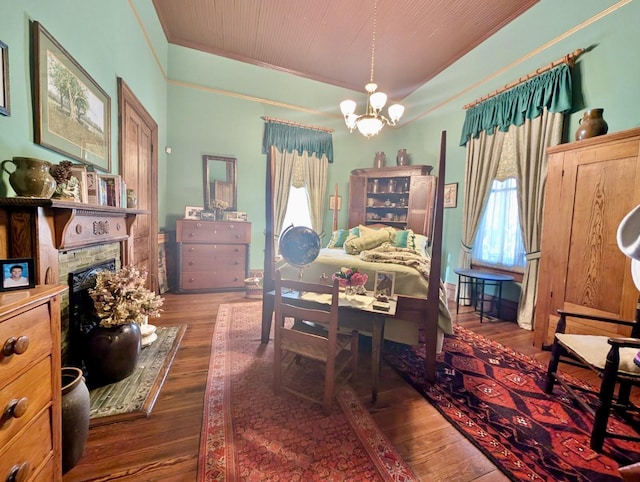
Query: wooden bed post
{"points": [[430, 326]]}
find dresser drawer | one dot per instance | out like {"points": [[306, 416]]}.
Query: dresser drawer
{"points": [[202, 257], [202, 280], [33, 445], [192, 231], [33, 389], [35, 326]]}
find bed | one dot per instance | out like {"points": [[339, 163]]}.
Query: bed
{"points": [[409, 281], [420, 304]]}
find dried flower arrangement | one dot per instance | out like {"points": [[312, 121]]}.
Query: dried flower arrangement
{"points": [[121, 297]]}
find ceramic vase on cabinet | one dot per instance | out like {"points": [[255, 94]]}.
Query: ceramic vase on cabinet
{"points": [[379, 160], [592, 124], [31, 177], [75, 417], [112, 353], [402, 159]]}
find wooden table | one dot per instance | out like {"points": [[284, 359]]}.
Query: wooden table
{"points": [[362, 318], [482, 279]]}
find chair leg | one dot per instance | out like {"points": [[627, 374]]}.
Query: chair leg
{"points": [[354, 354], [329, 381], [607, 389], [556, 352]]}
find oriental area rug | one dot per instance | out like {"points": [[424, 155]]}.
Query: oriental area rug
{"points": [[135, 396], [495, 397], [251, 434]]}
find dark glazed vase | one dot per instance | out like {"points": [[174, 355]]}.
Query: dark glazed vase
{"points": [[379, 160], [75, 417], [592, 124], [112, 353], [31, 177], [402, 159]]}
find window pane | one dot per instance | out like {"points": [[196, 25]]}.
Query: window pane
{"points": [[297, 209], [499, 239]]}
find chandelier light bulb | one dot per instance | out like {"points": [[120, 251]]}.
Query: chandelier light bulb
{"points": [[369, 125], [347, 107], [395, 112], [378, 100]]}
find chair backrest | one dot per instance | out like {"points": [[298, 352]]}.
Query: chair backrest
{"points": [[284, 306]]}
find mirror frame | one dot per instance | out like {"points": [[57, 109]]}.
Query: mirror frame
{"points": [[232, 170]]}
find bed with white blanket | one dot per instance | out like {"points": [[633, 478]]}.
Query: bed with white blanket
{"points": [[410, 266]]}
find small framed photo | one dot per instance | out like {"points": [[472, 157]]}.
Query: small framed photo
{"points": [[17, 274], [208, 215], [235, 216], [384, 284], [450, 195], [193, 212], [80, 173]]}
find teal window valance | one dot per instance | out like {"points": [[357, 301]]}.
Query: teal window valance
{"points": [[295, 138], [550, 89]]}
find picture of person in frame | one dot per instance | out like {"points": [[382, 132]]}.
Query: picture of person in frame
{"points": [[16, 275], [384, 285]]}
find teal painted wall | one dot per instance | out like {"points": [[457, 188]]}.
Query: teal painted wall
{"points": [[208, 104], [605, 76], [105, 38]]}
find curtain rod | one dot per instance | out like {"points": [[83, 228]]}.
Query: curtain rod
{"points": [[297, 124], [567, 59]]}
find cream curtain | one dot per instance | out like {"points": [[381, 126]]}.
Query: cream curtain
{"points": [[482, 161], [531, 142], [283, 173], [315, 173]]}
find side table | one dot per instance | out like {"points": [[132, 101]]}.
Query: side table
{"points": [[480, 280]]}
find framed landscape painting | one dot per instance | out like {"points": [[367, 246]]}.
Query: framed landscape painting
{"points": [[72, 114]]}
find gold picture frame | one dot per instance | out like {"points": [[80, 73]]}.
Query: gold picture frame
{"points": [[79, 128], [450, 195]]}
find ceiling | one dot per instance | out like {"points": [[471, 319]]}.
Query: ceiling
{"points": [[330, 40]]}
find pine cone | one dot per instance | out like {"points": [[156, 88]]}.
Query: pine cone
{"points": [[62, 171]]}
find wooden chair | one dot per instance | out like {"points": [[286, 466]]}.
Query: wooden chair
{"points": [[611, 358], [314, 335]]}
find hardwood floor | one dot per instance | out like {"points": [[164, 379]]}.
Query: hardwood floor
{"points": [[164, 447]]}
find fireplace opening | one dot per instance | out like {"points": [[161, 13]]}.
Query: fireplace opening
{"points": [[82, 314]]}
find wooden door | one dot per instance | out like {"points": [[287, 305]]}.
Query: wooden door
{"points": [[357, 200], [421, 203], [591, 185], [139, 170]]}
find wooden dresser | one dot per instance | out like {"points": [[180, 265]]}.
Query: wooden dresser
{"points": [[30, 378], [212, 255]]}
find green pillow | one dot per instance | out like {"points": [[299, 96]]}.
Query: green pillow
{"points": [[405, 238], [340, 236]]}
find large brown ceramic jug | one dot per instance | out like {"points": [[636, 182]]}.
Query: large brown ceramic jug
{"points": [[592, 124], [31, 177]]}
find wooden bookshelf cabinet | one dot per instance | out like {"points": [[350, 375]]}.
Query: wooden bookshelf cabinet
{"points": [[400, 196]]}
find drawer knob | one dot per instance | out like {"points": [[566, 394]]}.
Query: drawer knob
{"points": [[19, 472], [15, 345], [16, 408]]}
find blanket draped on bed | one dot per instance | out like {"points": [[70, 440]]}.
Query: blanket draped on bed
{"points": [[388, 253]]}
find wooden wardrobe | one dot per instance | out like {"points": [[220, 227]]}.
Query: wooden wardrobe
{"points": [[591, 185]]}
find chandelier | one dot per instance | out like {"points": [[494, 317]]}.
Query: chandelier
{"points": [[372, 121]]}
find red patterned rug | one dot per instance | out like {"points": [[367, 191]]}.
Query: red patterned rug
{"points": [[251, 434], [495, 397]]}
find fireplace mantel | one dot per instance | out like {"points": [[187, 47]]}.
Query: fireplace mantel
{"points": [[39, 228]]}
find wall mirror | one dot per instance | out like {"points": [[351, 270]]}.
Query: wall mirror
{"points": [[220, 180]]}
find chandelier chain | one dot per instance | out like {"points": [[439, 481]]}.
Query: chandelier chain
{"points": [[373, 39]]}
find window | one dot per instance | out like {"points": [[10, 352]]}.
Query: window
{"points": [[297, 209], [498, 242]]}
